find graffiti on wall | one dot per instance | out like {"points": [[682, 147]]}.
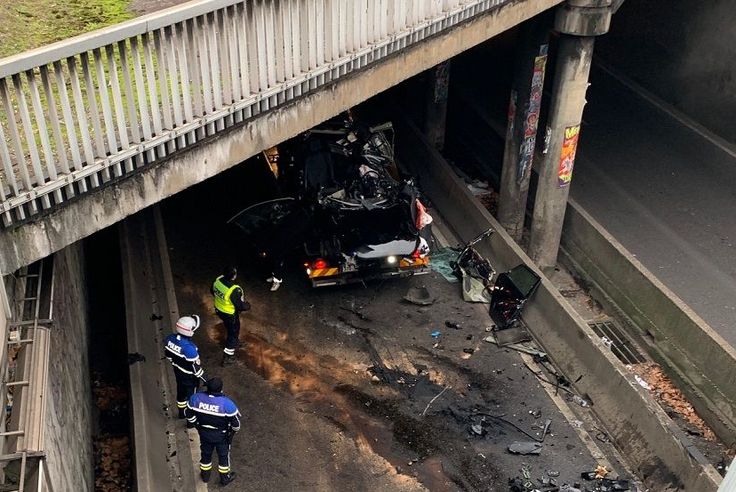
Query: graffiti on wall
{"points": [[567, 155], [511, 116], [526, 150]]}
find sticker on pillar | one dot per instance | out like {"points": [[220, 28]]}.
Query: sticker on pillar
{"points": [[531, 117], [567, 155]]}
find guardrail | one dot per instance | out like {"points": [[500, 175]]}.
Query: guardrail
{"points": [[81, 113]]}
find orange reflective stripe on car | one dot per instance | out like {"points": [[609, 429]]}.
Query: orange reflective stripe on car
{"points": [[324, 272], [414, 262]]}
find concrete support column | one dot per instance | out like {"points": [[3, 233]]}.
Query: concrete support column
{"points": [[521, 129], [435, 114], [578, 22]]}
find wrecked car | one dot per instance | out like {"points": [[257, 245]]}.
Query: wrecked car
{"points": [[343, 204]]}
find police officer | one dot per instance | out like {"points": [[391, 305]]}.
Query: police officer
{"points": [[184, 357], [229, 303], [217, 419]]}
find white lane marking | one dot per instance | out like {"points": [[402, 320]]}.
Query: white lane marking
{"points": [[668, 109]]}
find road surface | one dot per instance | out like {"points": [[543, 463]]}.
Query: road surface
{"points": [[666, 193]]}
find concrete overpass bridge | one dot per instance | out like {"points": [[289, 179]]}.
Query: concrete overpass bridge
{"points": [[98, 127]]}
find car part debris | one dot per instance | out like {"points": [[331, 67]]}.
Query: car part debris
{"points": [[512, 335], [419, 296], [525, 447], [510, 294], [478, 429]]}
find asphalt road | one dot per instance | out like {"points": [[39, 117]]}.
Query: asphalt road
{"points": [[666, 193], [316, 418]]}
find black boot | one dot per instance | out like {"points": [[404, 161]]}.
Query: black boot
{"points": [[226, 478], [205, 474], [228, 360]]}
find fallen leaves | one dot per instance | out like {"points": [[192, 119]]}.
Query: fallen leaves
{"points": [[664, 391]]}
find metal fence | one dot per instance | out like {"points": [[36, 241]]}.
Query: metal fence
{"points": [[80, 113]]}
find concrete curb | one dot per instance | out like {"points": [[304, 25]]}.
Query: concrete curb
{"points": [[676, 337], [162, 454], [660, 453]]}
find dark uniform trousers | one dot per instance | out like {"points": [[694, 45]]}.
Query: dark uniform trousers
{"points": [[232, 325], [186, 386], [211, 440]]}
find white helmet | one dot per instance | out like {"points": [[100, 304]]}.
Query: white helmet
{"points": [[187, 325]]}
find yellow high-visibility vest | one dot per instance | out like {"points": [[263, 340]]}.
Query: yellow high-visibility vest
{"points": [[222, 296]]}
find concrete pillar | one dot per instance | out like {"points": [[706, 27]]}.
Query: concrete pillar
{"points": [[578, 22], [435, 114], [521, 129]]}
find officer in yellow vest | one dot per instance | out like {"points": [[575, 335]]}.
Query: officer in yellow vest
{"points": [[229, 303]]}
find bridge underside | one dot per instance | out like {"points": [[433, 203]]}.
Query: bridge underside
{"points": [[59, 228]]}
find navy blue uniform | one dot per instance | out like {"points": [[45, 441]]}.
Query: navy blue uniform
{"points": [[217, 418], [184, 358]]}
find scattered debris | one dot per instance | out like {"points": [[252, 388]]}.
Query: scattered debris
{"points": [[667, 393], [580, 401], [525, 447], [478, 429], [419, 296], [607, 342], [641, 382], [442, 260], [433, 399], [453, 325], [553, 473], [469, 350], [156, 317], [536, 413], [599, 472], [435, 334], [512, 335]]}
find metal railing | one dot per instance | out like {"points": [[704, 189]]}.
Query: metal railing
{"points": [[77, 114]]}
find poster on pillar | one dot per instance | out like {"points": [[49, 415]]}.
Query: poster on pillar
{"points": [[531, 117], [567, 155]]}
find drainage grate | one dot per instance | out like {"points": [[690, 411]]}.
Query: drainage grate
{"points": [[622, 347]]}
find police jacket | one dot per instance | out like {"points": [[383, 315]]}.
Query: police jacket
{"points": [[237, 297], [183, 355], [213, 411]]}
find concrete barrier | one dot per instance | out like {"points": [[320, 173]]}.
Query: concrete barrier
{"points": [[690, 351], [660, 453]]}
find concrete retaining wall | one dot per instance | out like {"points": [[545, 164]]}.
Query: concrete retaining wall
{"points": [[675, 336], [660, 453], [68, 421]]}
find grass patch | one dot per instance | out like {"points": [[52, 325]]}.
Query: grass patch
{"points": [[28, 24]]}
